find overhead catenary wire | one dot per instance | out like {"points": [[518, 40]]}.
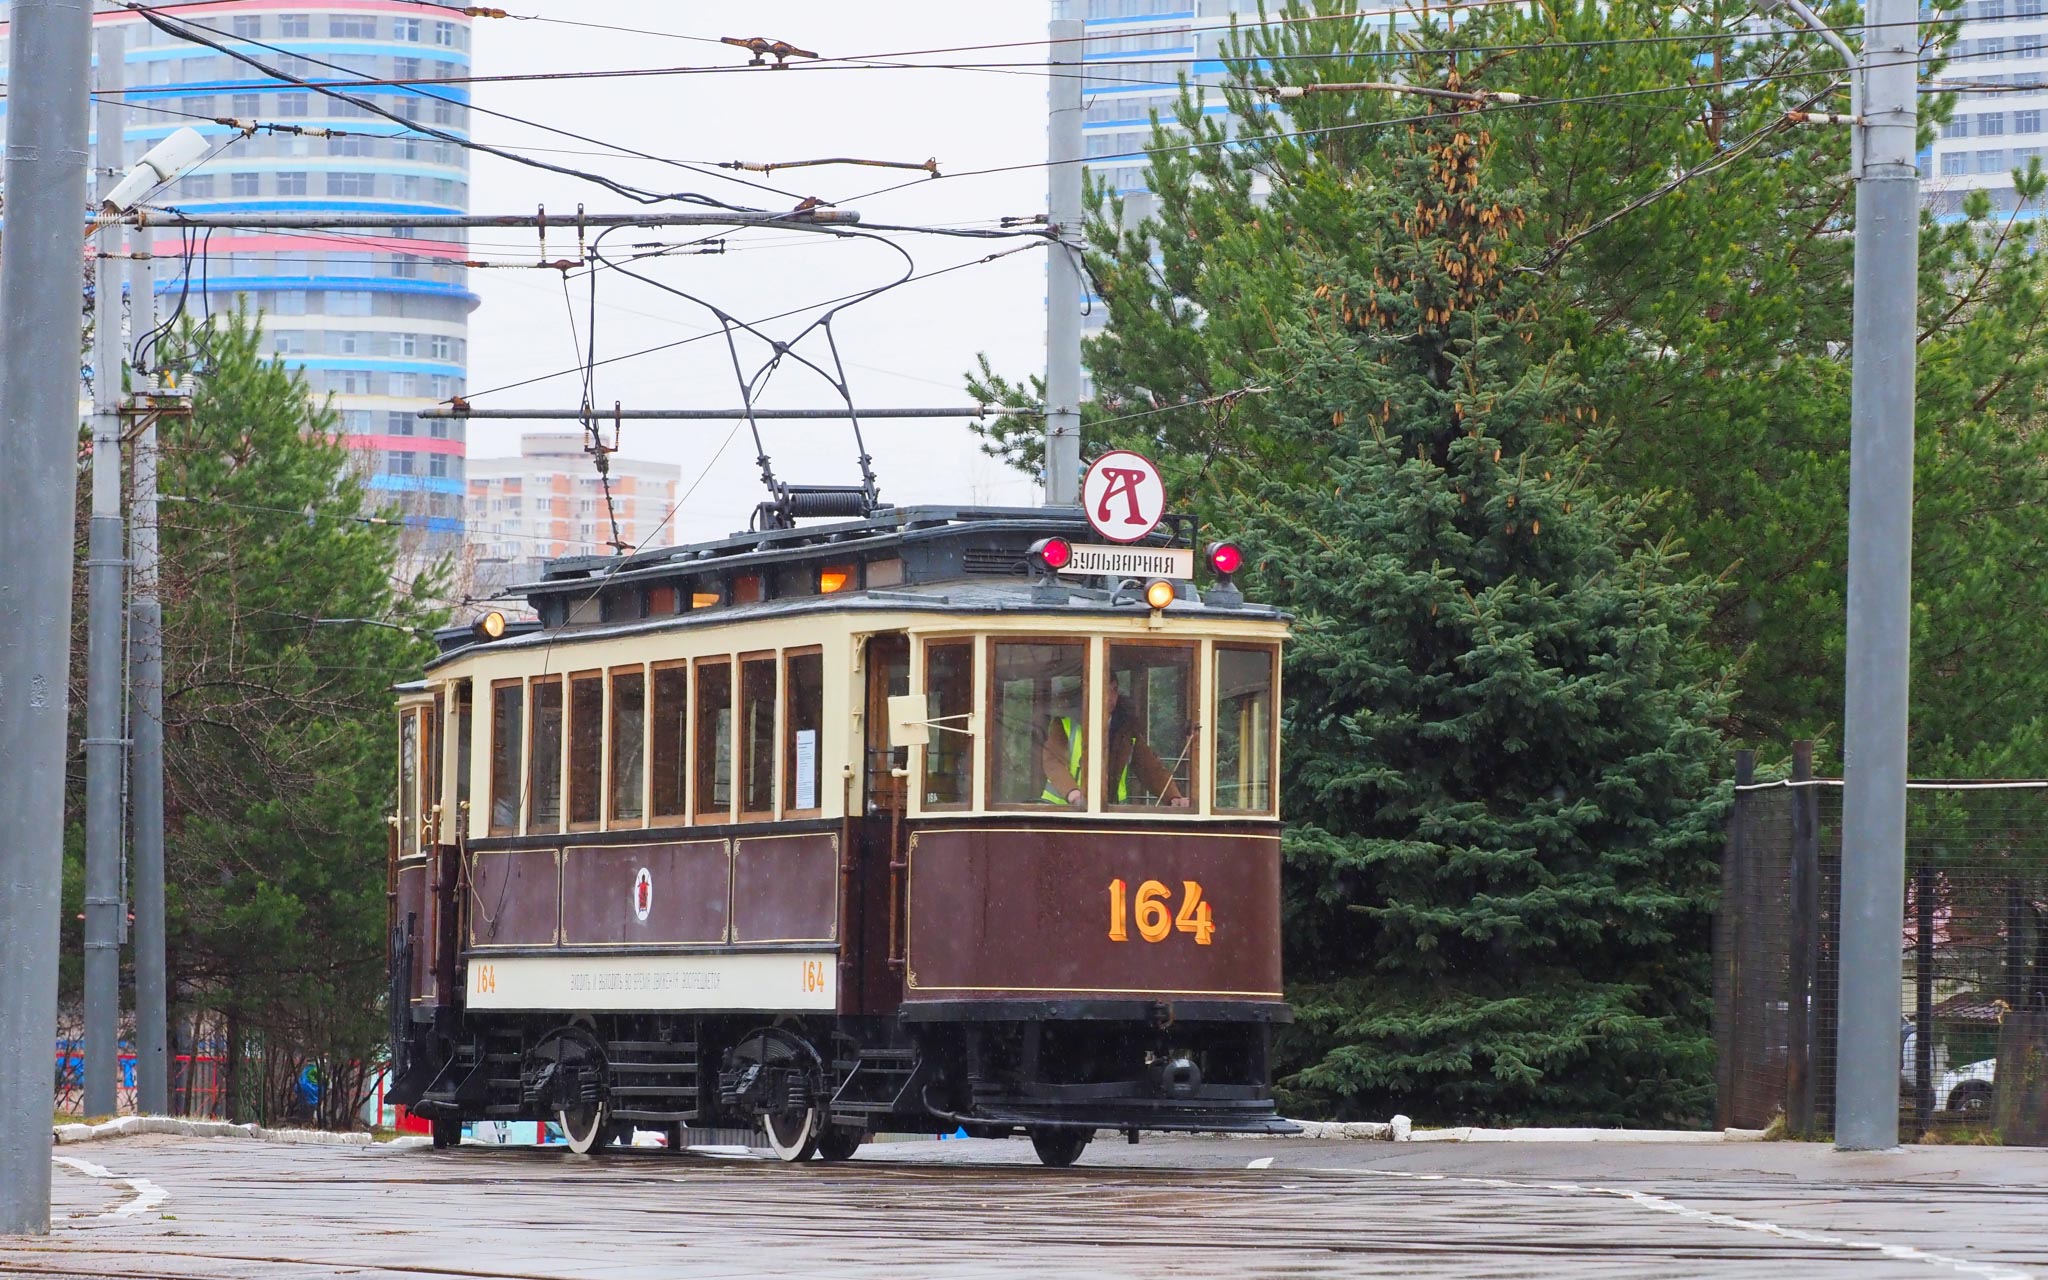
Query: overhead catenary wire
{"points": [[202, 36]]}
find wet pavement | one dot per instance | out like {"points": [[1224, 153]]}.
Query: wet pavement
{"points": [[211, 1209]]}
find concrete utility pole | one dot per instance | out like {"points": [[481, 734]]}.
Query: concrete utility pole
{"points": [[49, 72], [1063, 270], [1880, 583], [104, 747], [146, 721]]}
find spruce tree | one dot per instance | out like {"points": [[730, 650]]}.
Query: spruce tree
{"points": [[1500, 743]]}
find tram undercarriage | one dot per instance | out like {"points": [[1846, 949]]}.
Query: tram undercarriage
{"points": [[821, 1085]]}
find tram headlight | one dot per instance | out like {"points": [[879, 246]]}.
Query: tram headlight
{"points": [[489, 627], [1051, 554], [1159, 593]]}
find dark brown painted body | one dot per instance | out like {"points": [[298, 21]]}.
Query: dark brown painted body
{"points": [[785, 888], [1009, 908], [689, 889]]}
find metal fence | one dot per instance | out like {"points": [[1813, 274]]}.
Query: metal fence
{"points": [[1973, 1005]]}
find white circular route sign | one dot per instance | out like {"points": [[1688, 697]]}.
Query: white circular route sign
{"points": [[1123, 496]]}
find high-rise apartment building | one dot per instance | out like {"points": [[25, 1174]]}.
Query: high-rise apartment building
{"points": [[1998, 68], [377, 320], [549, 502]]}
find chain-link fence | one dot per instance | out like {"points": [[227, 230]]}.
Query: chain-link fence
{"points": [[1973, 1006]]}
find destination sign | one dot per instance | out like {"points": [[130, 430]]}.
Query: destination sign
{"points": [[1131, 562]]}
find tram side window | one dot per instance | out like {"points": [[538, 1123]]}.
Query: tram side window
{"points": [[430, 771], [408, 783], [544, 765], [586, 747], [948, 696], [1039, 698], [1150, 705], [714, 739], [629, 745], [757, 735], [671, 745], [464, 742], [802, 769], [508, 738], [1244, 730]]}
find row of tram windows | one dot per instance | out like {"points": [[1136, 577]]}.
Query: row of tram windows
{"points": [[740, 737], [660, 744], [1043, 724]]}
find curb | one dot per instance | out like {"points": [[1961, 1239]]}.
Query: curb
{"points": [[127, 1126], [1401, 1129]]}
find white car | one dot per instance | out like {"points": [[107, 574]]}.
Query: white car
{"points": [[1967, 1089]]}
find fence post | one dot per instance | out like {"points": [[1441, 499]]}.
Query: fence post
{"points": [[1727, 963], [1923, 996], [1805, 942]]}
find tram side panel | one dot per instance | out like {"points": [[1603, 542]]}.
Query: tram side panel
{"points": [[1021, 915]]}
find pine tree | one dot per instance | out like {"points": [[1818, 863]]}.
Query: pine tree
{"points": [[1501, 713]]}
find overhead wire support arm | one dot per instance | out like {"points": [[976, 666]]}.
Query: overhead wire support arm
{"points": [[465, 410], [930, 166], [1474, 97], [817, 216]]}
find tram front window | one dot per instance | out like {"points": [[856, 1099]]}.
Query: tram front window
{"points": [[1149, 702], [1244, 729], [1040, 697]]}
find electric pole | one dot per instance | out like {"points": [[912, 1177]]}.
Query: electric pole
{"points": [[1880, 582], [49, 72], [104, 747], [146, 721], [1063, 270]]}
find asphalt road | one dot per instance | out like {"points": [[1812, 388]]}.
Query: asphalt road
{"points": [[210, 1209]]}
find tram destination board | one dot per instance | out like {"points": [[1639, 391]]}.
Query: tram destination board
{"points": [[1135, 562]]}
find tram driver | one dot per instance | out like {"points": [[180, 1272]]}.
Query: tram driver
{"points": [[1064, 757]]}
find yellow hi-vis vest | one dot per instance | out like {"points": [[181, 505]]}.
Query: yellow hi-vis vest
{"points": [[1075, 749]]}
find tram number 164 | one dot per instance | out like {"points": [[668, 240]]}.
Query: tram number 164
{"points": [[1155, 919]]}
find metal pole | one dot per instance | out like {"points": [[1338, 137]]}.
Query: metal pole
{"points": [[49, 69], [1880, 584], [1063, 271], [697, 415], [146, 770], [103, 666]]}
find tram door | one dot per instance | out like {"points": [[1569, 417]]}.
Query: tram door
{"points": [[453, 808], [875, 948]]}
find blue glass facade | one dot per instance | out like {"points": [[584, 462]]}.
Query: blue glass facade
{"points": [[379, 320]]}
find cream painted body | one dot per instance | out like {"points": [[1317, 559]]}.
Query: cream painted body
{"points": [[656, 983], [732, 633]]}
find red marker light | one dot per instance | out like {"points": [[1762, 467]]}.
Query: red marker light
{"points": [[1053, 553], [1225, 558]]}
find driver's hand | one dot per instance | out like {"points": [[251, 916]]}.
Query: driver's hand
{"points": [[1179, 802]]}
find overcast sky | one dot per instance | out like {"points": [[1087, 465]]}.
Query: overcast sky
{"points": [[908, 347]]}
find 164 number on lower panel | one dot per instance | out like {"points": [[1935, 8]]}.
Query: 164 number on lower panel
{"points": [[1152, 911]]}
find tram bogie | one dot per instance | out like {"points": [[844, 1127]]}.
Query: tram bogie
{"points": [[806, 832]]}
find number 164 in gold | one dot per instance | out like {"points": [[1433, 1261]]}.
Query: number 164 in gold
{"points": [[1155, 918]]}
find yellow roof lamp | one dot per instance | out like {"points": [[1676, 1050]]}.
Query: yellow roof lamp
{"points": [[489, 627], [1159, 593]]}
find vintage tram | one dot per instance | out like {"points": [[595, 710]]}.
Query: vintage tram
{"points": [[806, 831]]}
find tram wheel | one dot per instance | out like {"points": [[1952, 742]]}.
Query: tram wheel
{"points": [[839, 1142], [447, 1131], [791, 1135], [586, 1127], [1058, 1148]]}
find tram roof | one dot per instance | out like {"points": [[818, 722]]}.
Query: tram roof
{"points": [[948, 559]]}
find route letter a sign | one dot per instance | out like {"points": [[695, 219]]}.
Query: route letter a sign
{"points": [[1123, 496]]}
